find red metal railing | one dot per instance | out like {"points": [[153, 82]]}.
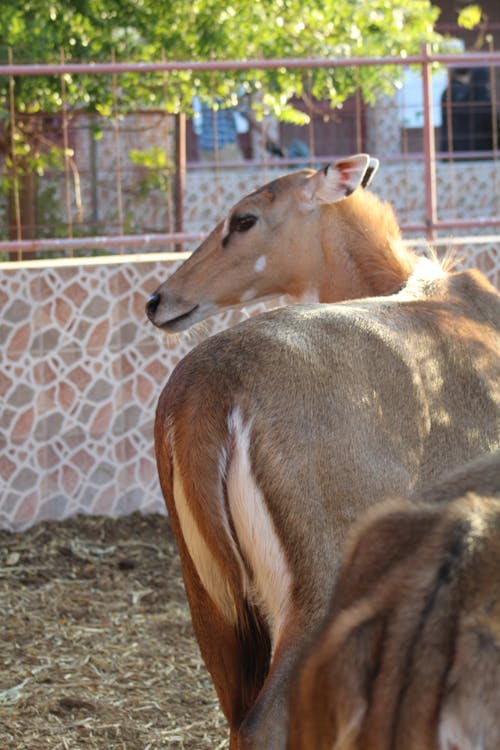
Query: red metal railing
{"points": [[428, 227]]}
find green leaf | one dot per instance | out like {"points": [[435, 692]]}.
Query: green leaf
{"points": [[470, 16], [294, 116]]}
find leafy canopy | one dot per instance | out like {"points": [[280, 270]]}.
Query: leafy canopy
{"points": [[155, 30]]}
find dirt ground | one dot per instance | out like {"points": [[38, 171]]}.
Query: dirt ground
{"points": [[96, 645]]}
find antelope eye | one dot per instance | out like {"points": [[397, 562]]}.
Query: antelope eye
{"points": [[242, 223]]}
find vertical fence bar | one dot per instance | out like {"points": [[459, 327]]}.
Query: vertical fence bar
{"points": [[15, 178], [449, 141], [310, 127], [494, 124], [116, 134], [180, 174], [402, 114], [429, 148], [215, 134], [216, 154], [170, 203], [215, 139], [66, 153], [94, 177], [263, 149], [449, 117], [359, 119], [168, 148]]}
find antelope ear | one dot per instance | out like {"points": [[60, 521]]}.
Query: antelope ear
{"points": [[370, 172], [336, 181]]}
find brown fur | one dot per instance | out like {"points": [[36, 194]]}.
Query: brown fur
{"points": [[317, 244], [480, 476], [410, 655], [349, 404]]}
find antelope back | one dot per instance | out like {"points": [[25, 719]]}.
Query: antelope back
{"points": [[272, 436], [410, 655]]}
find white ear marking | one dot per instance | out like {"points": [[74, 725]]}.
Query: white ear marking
{"points": [[336, 181]]}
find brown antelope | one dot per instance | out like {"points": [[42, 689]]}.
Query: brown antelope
{"points": [[274, 435], [410, 655], [309, 235], [481, 475]]}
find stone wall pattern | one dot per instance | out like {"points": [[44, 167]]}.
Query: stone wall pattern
{"points": [[81, 370]]}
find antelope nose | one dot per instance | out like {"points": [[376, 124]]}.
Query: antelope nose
{"points": [[152, 305]]}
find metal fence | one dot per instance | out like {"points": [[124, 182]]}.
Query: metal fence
{"points": [[137, 187]]}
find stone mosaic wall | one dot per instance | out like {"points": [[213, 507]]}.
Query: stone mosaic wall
{"points": [[81, 371], [80, 374]]}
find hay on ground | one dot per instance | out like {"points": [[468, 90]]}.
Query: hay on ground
{"points": [[97, 649]]}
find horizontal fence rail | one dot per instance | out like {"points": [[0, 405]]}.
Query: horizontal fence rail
{"points": [[120, 241], [470, 59]]}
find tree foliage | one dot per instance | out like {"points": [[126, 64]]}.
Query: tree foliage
{"points": [[193, 30], [470, 17], [152, 30]]}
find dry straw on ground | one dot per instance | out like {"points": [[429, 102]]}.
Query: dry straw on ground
{"points": [[97, 649]]}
